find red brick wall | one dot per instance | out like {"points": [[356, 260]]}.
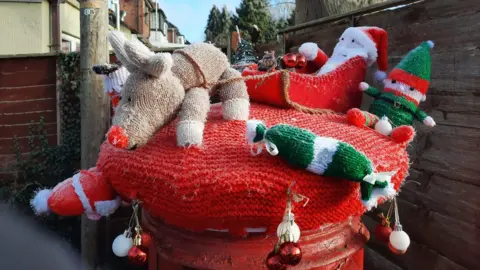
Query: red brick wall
{"points": [[27, 92], [135, 18], [130, 6]]}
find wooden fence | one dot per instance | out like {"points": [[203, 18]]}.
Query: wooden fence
{"points": [[27, 93], [442, 214]]}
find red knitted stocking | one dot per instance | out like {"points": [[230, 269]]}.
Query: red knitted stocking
{"points": [[360, 118]]}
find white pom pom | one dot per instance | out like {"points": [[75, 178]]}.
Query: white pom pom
{"points": [[309, 50], [363, 86], [431, 44], [39, 202], [122, 244], [383, 126], [380, 75], [252, 129], [399, 240]]}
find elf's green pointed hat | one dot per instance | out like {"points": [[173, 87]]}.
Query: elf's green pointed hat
{"points": [[415, 68]]}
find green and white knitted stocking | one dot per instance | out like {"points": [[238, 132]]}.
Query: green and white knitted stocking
{"points": [[323, 156]]}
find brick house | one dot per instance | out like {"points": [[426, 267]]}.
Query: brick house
{"points": [[164, 34], [137, 17]]}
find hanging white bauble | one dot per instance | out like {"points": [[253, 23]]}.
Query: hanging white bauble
{"points": [[288, 229], [399, 241], [383, 126], [122, 244]]}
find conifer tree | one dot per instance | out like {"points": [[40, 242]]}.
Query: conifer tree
{"points": [[255, 12]]}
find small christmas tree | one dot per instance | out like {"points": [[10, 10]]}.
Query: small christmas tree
{"points": [[245, 54]]}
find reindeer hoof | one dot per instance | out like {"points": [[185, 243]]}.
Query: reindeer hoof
{"points": [[189, 133], [236, 109]]}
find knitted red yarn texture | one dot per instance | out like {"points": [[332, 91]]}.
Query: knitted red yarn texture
{"points": [[222, 186], [336, 90]]}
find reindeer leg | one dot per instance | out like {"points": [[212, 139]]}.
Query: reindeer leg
{"points": [[193, 115], [234, 97]]}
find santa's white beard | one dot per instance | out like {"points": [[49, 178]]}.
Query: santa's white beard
{"points": [[340, 56]]}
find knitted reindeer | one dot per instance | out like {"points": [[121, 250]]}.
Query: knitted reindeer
{"points": [[163, 86]]}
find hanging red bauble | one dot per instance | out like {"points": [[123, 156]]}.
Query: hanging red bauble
{"points": [[146, 240], [383, 231], [290, 253], [290, 60], [274, 262], [301, 61], [137, 256]]}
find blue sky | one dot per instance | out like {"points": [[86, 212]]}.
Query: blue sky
{"points": [[190, 16]]}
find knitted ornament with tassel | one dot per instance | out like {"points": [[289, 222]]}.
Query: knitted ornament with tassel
{"points": [[323, 156]]}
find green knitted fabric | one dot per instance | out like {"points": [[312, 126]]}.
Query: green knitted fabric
{"points": [[295, 145], [418, 62], [347, 161], [398, 109], [323, 156]]}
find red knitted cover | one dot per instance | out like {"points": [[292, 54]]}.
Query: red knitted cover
{"points": [[222, 186], [337, 90]]}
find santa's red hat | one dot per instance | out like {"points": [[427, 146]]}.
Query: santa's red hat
{"points": [[375, 41], [86, 192]]}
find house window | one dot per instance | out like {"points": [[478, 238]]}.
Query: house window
{"points": [[181, 40], [78, 47], [153, 21], [165, 28], [66, 45]]}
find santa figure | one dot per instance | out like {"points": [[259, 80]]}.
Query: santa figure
{"points": [[396, 107], [114, 76], [85, 192], [370, 43]]}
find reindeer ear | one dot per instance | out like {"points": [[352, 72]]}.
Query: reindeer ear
{"points": [[159, 64], [118, 40], [138, 53]]}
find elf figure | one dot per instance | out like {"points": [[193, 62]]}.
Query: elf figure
{"points": [[394, 110], [114, 76]]}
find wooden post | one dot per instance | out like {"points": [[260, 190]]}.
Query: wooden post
{"points": [[95, 110]]}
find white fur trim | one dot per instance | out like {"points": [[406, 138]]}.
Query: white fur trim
{"points": [[431, 44], [236, 109], [324, 149], [380, 75], [189, 133], [368, 44], [377, 193], [106, 208], [39, 202], [252, 129], [78, 188], [309, 50]]}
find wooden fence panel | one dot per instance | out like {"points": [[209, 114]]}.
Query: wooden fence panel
{"points": [[27, 92], [441, 214]]}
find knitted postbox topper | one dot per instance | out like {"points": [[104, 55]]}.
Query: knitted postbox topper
{"points": [[220, 185]]}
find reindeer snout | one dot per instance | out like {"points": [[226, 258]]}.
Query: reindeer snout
{"points": [[117, 137]]}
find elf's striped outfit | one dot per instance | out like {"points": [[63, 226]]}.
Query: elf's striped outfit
{"points": [[405, 87], [323, 156]]}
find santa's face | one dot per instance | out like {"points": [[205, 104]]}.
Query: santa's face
{"points": [[347, 48], [402, 89]]}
